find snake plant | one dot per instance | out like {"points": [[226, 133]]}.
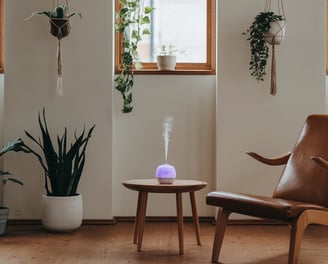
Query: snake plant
{"points": [[62, 168]]}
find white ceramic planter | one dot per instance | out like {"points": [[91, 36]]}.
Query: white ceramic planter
{"points": [[166, 62], [4, 211], [61, 213], [276, 33]]}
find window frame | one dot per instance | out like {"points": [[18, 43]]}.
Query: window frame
{"points": [[1, 36], [207, 68]]}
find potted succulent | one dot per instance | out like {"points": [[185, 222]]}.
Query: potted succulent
{"points": [[267, 28], [131, 22], [4, 210], [62, 206], [58, 20], [166, 57]]}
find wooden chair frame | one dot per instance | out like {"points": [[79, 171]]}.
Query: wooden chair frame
{"points": [[309, 212]]}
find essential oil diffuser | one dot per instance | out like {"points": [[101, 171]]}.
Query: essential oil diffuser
{"points": [[165, 173]]}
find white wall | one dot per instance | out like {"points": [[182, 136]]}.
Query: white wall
{"points": [[126, 146], [248, 117]]}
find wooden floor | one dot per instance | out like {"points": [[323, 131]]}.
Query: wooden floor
{"points": [[95, 244]]}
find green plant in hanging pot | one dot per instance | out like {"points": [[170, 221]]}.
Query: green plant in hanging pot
{"points": [[259, 40], [59, 23], [131, 21], [58, 20]]}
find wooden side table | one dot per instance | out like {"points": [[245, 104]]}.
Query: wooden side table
{"points": [[145, 186]]}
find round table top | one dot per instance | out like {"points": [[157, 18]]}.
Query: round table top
{"points": [[152, 185]]}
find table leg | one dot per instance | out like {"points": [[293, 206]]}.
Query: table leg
{"points": [[142, 218], [180, 221], [195, 216], [137, 220]]}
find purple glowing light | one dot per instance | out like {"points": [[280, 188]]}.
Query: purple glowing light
{"points": [[165, 173]]}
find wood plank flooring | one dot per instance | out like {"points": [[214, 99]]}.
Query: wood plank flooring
{"points": [[100, 244]]}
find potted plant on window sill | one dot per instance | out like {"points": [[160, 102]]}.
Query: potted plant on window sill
{"points": [[267, 28], [62, 207], [4, 210], [166, 57]]}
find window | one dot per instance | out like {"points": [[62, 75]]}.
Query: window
{"points": [[1, 35], [188, 25]]}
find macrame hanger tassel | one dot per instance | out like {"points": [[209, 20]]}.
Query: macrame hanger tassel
{"points": [[276, 40], [61, 32], [273, 89], [59, 89]]}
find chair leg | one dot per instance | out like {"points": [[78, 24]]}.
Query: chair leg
{"points": [[297, 230], [221, 222]]}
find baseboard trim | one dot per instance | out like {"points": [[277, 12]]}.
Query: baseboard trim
{"points": [[23, 222], [202, 219], [254, 222], [163, 219], [121, 219], [84, 222]]}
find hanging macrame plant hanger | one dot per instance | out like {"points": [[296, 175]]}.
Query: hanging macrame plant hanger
{"points": [[275, 36], [59, 28]]}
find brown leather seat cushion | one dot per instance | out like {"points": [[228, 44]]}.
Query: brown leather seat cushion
{"points": [[259, 206]]}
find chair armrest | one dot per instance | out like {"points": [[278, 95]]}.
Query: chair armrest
{"points": [[321, 162], [270, 161]]}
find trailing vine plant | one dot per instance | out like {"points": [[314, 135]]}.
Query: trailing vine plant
{"points": [[258, 45], [132, 21]]}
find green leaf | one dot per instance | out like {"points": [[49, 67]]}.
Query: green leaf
{"points": [[132, 4], [145, 20], [146, 31], [12, 180], [12, 146], [123, 11], [148, 9], [73, 14], [2, 173]]}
